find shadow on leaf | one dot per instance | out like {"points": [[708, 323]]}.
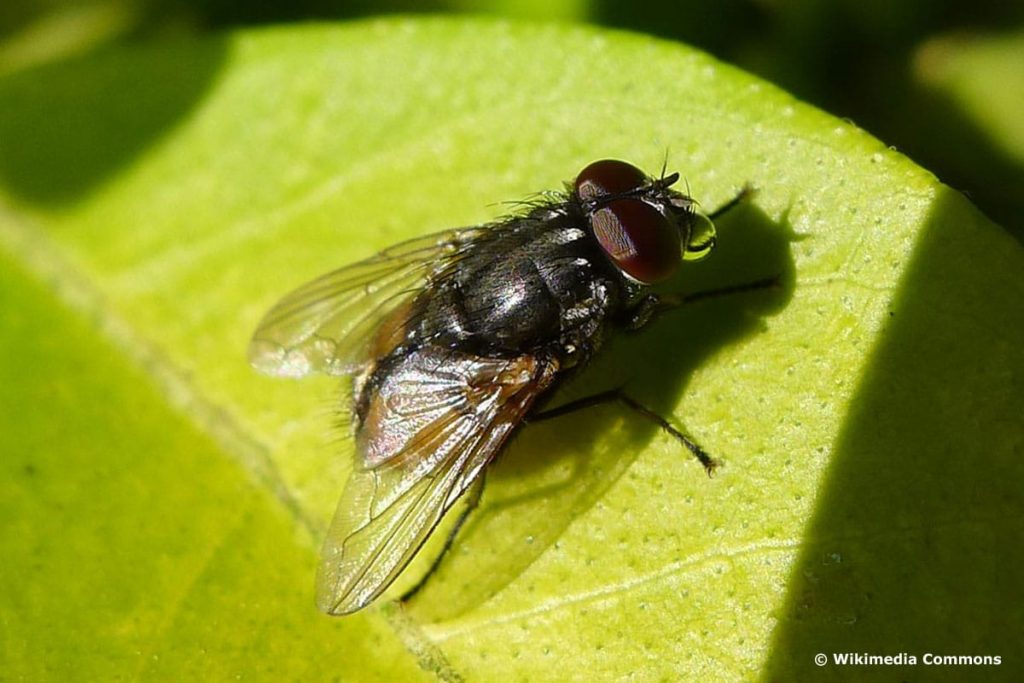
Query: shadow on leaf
{"points": [[915, 538]]}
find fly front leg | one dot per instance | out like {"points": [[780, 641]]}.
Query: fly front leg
{"points": [[672, 300], [745, 193], [643, 312], [654, 305]]}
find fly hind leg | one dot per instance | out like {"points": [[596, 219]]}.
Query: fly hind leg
{"points": [[473, 500]]}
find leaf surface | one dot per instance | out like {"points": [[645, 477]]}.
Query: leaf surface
{"points": [[156, 201]]}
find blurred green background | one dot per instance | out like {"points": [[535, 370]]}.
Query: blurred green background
{"points": [[940, 80]]}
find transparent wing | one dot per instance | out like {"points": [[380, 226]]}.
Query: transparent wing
{"points": [[420, 447], [325, 325]]}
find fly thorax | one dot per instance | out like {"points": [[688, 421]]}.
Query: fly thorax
{"points": [[508, 303]]}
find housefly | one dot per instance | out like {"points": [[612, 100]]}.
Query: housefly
{"points": [[455, 340]]}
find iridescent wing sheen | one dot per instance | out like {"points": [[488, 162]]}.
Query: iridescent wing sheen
{"points": [[325, 325], [437, 420]]}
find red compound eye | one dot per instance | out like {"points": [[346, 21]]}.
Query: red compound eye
{"points": [[608, 177], [638, 239]]}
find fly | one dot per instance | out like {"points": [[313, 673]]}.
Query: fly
{"points": [[455, 340]]}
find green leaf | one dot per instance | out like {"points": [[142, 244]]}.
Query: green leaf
{"points": [[167, 499]]}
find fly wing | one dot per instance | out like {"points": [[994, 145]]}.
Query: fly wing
{"points": [[438, 419], [325, 325]]}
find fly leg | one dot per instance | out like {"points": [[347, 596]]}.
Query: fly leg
{"points": [[676, 299], [745, 193], [473, 500], [653, 305], [620, 396], [650, 307]]}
